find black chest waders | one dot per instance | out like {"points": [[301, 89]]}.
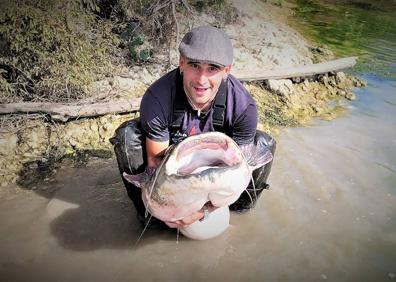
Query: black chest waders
{"points": [[129, 148]]}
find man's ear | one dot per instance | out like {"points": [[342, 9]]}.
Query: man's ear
{"points": [[227, 70], [182, 61]]}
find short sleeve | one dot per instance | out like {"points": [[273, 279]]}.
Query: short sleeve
{"points": [[244, 127], [153, 118]]}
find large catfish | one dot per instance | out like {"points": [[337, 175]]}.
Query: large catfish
{"points": [[208, 167]]}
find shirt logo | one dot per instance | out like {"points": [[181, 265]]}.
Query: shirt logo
{"points": [[192, 132], [178, 137]]}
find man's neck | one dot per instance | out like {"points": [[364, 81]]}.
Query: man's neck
{"points": [[200, 107]]}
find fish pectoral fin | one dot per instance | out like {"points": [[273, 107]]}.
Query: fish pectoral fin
{"points": [[256, 155], [139, 180]]}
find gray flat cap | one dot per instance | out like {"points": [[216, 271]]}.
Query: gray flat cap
{"points": [[207, 43]]}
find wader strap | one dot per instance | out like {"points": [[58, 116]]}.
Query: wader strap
{"points": [[219, 107], [180, 104]]}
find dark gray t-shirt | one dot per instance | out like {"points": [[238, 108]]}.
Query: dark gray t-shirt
{"points": [[158, 104]]}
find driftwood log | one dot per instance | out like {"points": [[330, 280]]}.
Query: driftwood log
{"points": [[64, 112], [299, 71]]}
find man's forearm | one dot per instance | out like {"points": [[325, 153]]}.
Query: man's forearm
{"points": [[155, 152]]}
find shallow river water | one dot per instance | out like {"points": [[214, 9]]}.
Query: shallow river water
{"points": [[330, 215]]}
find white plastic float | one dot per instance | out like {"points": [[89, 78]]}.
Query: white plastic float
{"points": [[214, 225]]}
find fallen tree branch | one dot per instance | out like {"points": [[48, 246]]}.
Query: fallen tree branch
{"points": [[299, 71], [63, 112]]}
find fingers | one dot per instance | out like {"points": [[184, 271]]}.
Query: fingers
{"points": [[172, 224], [210, 207], [188, 220], [193, 218]]}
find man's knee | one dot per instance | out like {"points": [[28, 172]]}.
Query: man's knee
{"points": [[128, 142], [262, 138], [249, 197], [261, 174]]}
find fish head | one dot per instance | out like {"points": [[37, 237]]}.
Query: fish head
{"points": [[209, 167], [201, 152]]}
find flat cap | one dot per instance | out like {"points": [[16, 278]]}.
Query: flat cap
{"points": [[207, 43]]}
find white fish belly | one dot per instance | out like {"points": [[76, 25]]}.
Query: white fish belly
{"points": [[180, 197]]}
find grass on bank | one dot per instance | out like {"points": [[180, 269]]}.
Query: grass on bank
{"points": [[52, 50]]}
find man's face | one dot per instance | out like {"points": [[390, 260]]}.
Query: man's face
{"points": [[201, 81]]}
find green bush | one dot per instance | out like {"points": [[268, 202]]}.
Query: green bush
{"points": [[51, 50], [200, 5]]}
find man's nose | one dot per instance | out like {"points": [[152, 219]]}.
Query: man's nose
{"points": [[202, 77]]}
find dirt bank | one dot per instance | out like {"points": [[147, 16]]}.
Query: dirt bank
{"points": [[262, 40]]}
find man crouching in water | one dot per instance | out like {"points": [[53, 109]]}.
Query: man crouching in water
{"points": [[199, 96]]}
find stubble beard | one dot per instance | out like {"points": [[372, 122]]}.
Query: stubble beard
{"points": [[201, 106]]}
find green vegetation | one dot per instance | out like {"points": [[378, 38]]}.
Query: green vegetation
{"points": [[139, 52], [221, 9], [51, 50], [279, 3], [201, 5], [364, 28]]}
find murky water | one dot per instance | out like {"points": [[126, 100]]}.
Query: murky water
{"points": [[330, 214], [336, 186]]}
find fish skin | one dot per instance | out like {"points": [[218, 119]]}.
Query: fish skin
{"points": [[170, 195]]}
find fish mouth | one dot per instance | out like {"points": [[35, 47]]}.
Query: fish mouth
{"points": [[208, 152], [194, 169]]}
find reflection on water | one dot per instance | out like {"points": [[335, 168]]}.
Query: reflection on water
{"points": [[363, 28]]}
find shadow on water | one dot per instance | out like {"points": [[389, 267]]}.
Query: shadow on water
{"points": [[88, 206]]}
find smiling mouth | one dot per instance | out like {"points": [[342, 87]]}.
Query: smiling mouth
{"points": [[200, 89]]}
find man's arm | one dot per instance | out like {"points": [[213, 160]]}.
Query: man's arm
{"points": [[244, 127], [155, 151]]}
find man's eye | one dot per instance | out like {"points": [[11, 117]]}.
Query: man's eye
{"points": [[213, 69]]}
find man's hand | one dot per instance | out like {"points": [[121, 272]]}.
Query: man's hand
{"points": [[188, 220]]}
